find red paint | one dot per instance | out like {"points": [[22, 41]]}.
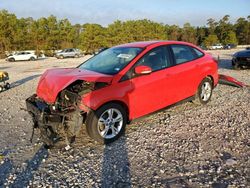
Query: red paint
{"points": [[55, 80], [142, 94], [143, 70], [228, 80]]}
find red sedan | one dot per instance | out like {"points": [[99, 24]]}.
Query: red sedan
{"points": [[118, 85]]}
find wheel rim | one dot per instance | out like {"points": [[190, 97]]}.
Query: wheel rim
{"points": [[110, 123], [206, 90]]}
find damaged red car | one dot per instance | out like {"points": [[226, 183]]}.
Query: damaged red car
{"points": [[118, 85]]}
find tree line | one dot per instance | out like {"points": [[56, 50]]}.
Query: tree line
{"points": [[50, 33]]}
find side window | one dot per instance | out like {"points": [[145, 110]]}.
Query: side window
{"points": [[182, 53], [198, 53], [157, 59]]}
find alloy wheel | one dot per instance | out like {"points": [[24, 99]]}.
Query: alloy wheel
{"points": [[110, 123]]}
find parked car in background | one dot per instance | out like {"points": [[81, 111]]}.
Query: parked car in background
{"points": [[69, 52], [100, 50], [241, 59], [21, 56], [230, 46], [120, 84], [215, 47]]}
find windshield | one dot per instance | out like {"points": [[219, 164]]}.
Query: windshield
{"points": [[112, 60]]}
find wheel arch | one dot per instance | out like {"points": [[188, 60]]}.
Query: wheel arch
{"points": [[121, 103]]}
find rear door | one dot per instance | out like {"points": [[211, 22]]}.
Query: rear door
{"points": [[186, 70]]}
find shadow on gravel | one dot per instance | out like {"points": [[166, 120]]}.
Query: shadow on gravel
{"points": [[24, 80], [115, 165], [2, 68], [5, 169], [26, 175]]}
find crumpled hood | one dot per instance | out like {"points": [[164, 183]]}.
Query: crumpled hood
{"points": [[55, 80]]}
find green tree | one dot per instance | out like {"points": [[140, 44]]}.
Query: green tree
{"points": [[231, 38], [201, 33], [242, 29], [211, 40], [92, 37], [223, 29], [8, 25], [212, 24], [189, 34], [173, 32]]}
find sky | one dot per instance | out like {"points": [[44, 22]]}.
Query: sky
{"points": [[105, 12]]}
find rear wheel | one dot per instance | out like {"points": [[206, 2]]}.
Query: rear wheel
{"points": [[61, 57], [107, 124], [32, 59], [204, 92], [236, 65]]}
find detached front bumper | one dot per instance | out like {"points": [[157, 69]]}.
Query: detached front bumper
{"points": [[41, 112]]}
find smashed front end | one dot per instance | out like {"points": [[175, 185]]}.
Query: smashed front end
{"points": [[62, 119]]}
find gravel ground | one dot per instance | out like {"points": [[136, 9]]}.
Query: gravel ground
{"points": [[185, 146]]}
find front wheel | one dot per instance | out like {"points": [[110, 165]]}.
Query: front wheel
{"points": [[12, 60], [204, 92], [7, 85], [107, 124], [236, 65]]}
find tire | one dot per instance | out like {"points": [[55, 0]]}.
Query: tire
{"points": [[204, 92], [32, 59], [61, 57], [12, 60], [1, 89], [76, 56], [7, 86], [107, 123], [236, 65]]}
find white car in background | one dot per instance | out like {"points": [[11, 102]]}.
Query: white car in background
{"points": [[21, 56], [216, 47]]}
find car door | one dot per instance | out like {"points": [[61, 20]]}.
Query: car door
{"points": [[186, 71], [26, 56], [149, 91], [20, 56], [70, 53]]}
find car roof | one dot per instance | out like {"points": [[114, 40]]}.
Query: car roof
{"points": [[149, 43]]}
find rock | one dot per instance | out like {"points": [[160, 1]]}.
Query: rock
{"points": [[231, 162]]}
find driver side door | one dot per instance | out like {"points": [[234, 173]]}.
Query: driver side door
{"points": [[149, 91]]}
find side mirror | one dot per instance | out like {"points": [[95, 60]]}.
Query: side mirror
{"points": [[142, 69]]}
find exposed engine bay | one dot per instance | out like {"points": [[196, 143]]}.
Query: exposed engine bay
{"points": [[62, 120]]}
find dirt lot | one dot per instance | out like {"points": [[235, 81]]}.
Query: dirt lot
{"points": [[185, 146]]}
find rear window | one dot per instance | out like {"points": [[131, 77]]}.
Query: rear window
{"points": [[182, 54], [198, 53]]}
